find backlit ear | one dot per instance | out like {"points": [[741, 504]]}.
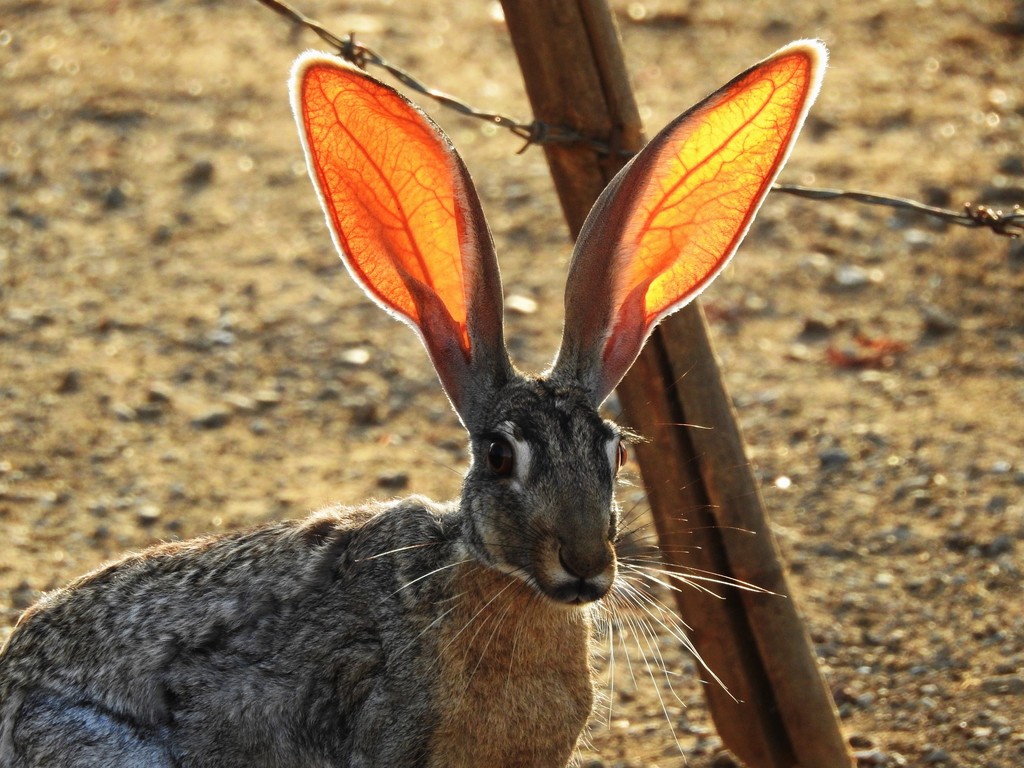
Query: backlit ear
{"points": [[669, 222], [406, 220]]}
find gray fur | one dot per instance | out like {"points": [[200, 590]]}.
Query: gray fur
{"points": [[313, 642], [401, 635]]}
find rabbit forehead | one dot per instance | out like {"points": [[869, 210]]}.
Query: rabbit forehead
{"points": [[545, 414]]}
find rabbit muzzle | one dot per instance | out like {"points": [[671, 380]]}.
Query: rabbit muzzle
{"points": [[591, 574], [578, 570]]}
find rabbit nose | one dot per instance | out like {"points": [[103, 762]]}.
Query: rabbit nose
{"points": [[583, 564], [592, 573]]}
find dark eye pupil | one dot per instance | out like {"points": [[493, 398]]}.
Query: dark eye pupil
{"points": [[499, 458]]}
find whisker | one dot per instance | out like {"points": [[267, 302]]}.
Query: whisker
{"points": [[600, 626], [432, 624], [696, 574], [515, 643], [675, 632], [425, 576], [630, 585], [646, 634], [397, 550], [611, 666], [432, 457], [662, 611], [629, 662], [498, 619], [646, 574], [473, 618]]}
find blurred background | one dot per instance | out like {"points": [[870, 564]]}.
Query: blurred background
{"points": [[182, 352]]}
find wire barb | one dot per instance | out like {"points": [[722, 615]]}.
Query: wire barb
{"points": [[362, 56], [537, 133], [1006, 224]]}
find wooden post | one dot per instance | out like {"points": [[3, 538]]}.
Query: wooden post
{"points": [[776, 711]]}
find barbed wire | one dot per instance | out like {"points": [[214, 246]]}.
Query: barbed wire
{"points": [[536, 132], [1007, 224], [361, 56]]}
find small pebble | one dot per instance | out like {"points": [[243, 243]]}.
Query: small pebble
{"points": [[114, 199], [865, 700], [22, 596], [817, 327], [1013, 164], [240, 402], [221, 337], [328, 393], [259, 426], [917, 239], [148, 514], [884, 579], [199, 175], [1000, 545], [148, 412], [833, 458], [1004, 685], [159, 392], [870, 757], [365, 414], [851, 276], [859, 741], [215, 418], [997, 503], [70, 382], [267, 398], [357, 357], [123, 412], [161, 235], [393, 482], [724, 759], [958, 542], [934, 756], [938, 322], [518, 304]]}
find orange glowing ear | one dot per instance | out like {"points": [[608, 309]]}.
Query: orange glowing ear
{"points": [[405, 218], [669, 222]]}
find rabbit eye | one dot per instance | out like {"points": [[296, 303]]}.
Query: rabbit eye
{"points": [[500, 457], [620, 456]]}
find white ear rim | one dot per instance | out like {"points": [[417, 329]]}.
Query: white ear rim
{"points": [[589, 370], [305, 60], [818, 54], [460, 377]]}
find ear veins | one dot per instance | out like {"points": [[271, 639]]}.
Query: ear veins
{"points": [[382, 175], [672, 218], [703, 198]]}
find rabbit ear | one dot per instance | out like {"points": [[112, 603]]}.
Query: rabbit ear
{"points": [[668, 223], [406, 220]]}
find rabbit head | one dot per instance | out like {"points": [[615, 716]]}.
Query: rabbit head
{"points": [[538, 498]]}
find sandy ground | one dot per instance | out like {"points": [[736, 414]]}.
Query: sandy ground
{"points": [[181, 351]]}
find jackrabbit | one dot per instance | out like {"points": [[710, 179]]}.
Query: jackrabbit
{"points": [[411, 633]]}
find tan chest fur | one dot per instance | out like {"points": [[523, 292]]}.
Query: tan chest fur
{"points": [[516, 689]]}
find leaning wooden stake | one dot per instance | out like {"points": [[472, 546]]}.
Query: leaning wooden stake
{"points": [[776, 711]]}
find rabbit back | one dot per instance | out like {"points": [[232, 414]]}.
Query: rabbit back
{"points": [[295, 644]]}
